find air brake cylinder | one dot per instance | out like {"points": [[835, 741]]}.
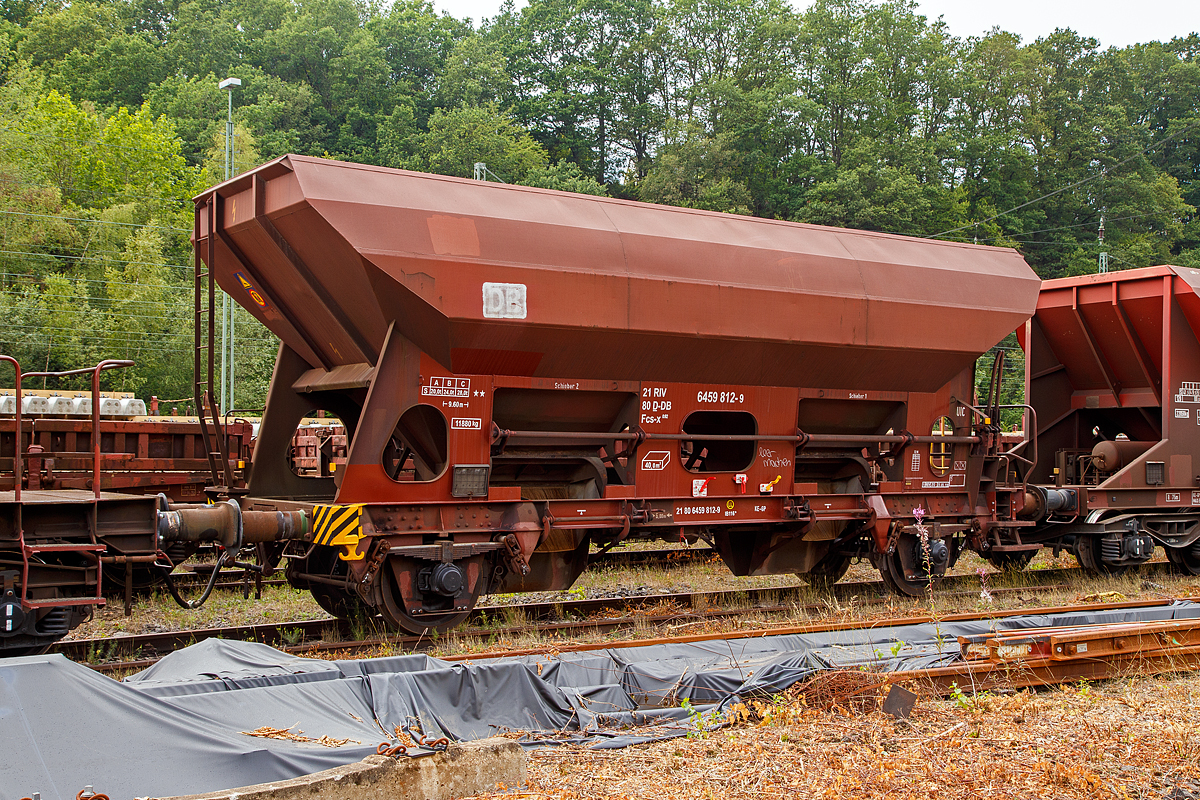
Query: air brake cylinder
{"points": [[1112, 456]]}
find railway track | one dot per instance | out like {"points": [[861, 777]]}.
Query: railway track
{"points": [[196, 575], [560, 618], [981, 675]]}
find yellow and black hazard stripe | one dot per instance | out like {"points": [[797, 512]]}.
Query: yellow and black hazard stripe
{"points": [[339, 526]]}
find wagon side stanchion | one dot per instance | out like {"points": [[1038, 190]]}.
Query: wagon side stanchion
{"points": [[212, 432], [18, 461], [95, 548]]}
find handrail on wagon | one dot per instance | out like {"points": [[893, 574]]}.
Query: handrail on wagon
{"points": [[108, 363], [1030, 438], [18, 465]]}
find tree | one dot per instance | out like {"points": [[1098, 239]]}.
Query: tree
{"points": [[457, 139], [698, 171], [118, 72], [577, 65], [97, 208], [564, 176], [475, 74]]}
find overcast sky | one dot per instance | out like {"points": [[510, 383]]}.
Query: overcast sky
{"points": [[1110, 21]]}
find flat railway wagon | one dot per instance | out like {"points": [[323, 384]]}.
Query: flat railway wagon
{"points": [[82, 493], [1113, 374], [522, 373]]}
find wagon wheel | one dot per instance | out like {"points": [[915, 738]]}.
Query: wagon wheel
{"points": [[34, 644], [1011, 562], [912, 571], [30, 650], [827, 572], [418, 601], [1185, 559], [341, 603], [1087, 553], [145, 576]]}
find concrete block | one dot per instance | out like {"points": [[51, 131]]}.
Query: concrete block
{"points": [[461, 770]]}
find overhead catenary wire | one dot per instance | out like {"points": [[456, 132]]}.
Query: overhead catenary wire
{"points": [[95, 258], [123, 338], [1058, 228], [181, 332], [95, 192], [96, 221], [1076, 184], [33, 280]]}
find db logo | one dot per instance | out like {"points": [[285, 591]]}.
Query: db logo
{"points": [[250, 290]]}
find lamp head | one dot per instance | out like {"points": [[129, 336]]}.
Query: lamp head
{"points": [[229, 83]]}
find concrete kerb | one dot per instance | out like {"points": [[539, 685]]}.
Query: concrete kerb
{"points": [[461, 770]]}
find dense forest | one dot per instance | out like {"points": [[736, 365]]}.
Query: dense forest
{"points": [[849, 113]]}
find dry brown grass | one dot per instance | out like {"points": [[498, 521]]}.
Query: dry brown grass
{"points": [[159, 613], [503, 638], [1134, 738]]}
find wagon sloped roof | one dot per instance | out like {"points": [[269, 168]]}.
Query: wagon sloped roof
{"points": [[491, 278]]}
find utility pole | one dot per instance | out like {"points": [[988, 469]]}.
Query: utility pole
{"points": [[1103, 252], [482, 172], [227, 305]]}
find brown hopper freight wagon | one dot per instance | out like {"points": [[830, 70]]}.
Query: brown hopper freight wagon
{"points": [[523, 373]]}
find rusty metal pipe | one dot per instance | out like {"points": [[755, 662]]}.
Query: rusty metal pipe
{"points": [[227, 524], [273, 526], [220, 522], [838, 438], [322, 579], [1029, 425], [833, 438]]}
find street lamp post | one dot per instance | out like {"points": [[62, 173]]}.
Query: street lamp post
{"points": [[227, 306]]}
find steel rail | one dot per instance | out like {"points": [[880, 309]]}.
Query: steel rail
{"points": [[978, 676], [946, 676], [235, 579], [586, 613]]}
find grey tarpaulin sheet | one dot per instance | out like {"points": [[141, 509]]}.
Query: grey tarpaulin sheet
{"points": [[176, 727]]}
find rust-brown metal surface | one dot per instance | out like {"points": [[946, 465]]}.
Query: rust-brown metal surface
{"points": [[143, 457], [505, 280], [1116, 356]]}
